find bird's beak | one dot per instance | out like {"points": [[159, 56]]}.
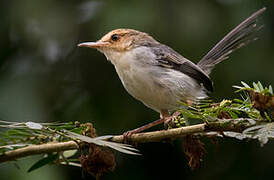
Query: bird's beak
{"points": [[95, 45]]}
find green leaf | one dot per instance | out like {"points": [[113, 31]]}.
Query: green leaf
{"points": [[245, 85], [270, 89], [238, 101], [69, 153], [42, 162], [77, 130], [237, 87], [260, 86], [188, 114], [18, 132], [67, 126], [256, 87], [233, 115]]}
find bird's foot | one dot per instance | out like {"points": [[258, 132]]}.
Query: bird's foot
{"points": [[166, 120], [128, 134], [169, 120]]}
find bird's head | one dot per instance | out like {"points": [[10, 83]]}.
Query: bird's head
{"points": [[119, 41]]}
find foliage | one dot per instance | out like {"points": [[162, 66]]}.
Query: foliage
{"points": [[249, 110], [21, 135], [250, 117]]}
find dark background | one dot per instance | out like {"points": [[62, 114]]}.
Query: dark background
{"points": [[44, 77]]}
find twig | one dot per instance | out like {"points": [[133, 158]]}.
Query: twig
{"points": [[38, 149], [237, 125]]}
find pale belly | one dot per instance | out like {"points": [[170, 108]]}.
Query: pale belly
{"points": [[157, 87], [159, 91]]}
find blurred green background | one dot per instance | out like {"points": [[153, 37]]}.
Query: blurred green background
{"points": [[44, 77]]}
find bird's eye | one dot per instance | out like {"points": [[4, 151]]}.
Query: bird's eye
{"points": [[114, 37]]}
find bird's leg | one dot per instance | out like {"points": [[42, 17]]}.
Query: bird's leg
{"points": [[175, 114], [142, 128], [171, 118], [163, 116], [127, 134]]}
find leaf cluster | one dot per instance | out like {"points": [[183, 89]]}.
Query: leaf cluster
{"points": [[251, 114]]}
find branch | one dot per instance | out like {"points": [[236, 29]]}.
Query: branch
{"points": [[235, 125], [157, 136], [38, 149]]}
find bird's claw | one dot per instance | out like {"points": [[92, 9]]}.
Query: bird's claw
{"points": [[169, 120], [127, 135]]}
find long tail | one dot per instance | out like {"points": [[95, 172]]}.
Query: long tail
{"points": [[237, 38]]}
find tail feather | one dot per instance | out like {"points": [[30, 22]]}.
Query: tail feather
{"points": [[237, 38]]}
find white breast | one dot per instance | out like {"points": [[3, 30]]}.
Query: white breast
{"points": [[157, 87]]}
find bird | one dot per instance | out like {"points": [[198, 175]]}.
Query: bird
{"points": [[160, 77]]}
